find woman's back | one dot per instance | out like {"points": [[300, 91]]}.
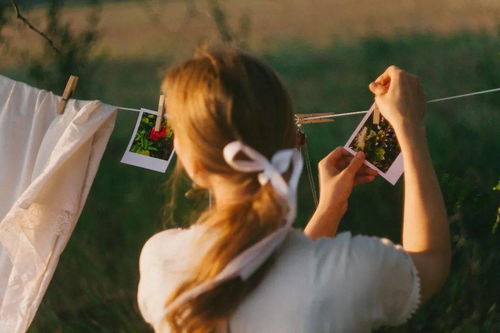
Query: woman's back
{"points": [[236, 136], [341, 284]]}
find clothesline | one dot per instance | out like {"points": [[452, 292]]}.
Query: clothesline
{"points": [[365, 111], [430, 101], [308, 165], [126, 109]]}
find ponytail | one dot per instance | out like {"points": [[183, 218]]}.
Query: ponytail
{"points": [[213, 99], [238, 228]]}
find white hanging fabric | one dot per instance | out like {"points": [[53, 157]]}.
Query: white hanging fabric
{"points": [[47, 165]]}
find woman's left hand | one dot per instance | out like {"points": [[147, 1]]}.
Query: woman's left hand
{"points": [[339, 172]]}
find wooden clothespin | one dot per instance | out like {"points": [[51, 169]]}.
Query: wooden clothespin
{"points": [[68, 91], [376, 115], [161, 110], [310, 118]]}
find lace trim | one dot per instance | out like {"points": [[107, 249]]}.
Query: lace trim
{"points": [[29, 234], [31, 237], [36, 214], [415, 297]]}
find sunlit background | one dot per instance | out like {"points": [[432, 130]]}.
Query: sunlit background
{"points": [[326, 51]]}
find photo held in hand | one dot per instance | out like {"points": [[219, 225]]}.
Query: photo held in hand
{"points": [[380, 145]]}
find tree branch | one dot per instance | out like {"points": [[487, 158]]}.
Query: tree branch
{"points": [[32, 27]]}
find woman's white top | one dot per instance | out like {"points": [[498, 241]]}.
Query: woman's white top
{"points": [[342, 284]]}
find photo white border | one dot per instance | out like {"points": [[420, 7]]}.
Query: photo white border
{"points": [[397, 167], [143, 161]]}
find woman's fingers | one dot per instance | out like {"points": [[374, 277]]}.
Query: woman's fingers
{"points": [[343, 162], [382, 84], [385, 78], [340, 160], [364, 179], [367, 170], [365, 175], [377, 89], [355, 164], [334, 155], [359, 174], [335, 160]]}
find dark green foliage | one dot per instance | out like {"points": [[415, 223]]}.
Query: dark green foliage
{"points": [[94, 288], [4, 20]]}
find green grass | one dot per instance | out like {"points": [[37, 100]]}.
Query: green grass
{"points": [[94, 287]]}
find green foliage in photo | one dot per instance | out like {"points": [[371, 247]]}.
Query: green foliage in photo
{"points": [[145, 141], [378, 142]]}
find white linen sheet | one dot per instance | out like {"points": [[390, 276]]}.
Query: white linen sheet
{"points": [[47, 165]]}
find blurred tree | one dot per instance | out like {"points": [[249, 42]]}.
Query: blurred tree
{"points": [[228, 35], [68, 50]]}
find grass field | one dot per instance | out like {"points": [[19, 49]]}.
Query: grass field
{"points": [[147, 29], [123, 209], [94, 287]]}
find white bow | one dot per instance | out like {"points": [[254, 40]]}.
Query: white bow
{"points": [[247, 262], [270, 171]]}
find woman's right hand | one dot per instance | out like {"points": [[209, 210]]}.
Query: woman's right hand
{"points": [[400, 99], [426, 237]]}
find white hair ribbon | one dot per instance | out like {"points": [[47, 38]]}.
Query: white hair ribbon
{"points": [[270, 171], [247, 262]]}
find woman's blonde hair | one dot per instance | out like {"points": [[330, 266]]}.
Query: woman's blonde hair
{"points": [[215, 98]]}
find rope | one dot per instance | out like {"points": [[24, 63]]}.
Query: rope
{"points": [[306, 150], [364, 111], [310, 175], [430, 101]]}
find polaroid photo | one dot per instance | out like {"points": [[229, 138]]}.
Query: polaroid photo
{"points": [[379, 143], [147, 148]]}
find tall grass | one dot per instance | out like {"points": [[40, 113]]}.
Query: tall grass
{"points": [[94, 287]]}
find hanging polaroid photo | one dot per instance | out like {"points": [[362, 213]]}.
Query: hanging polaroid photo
{"points": [[379, 143], [148, 148]]}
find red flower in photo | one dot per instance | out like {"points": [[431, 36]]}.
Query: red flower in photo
{"points": [[155, 136]]}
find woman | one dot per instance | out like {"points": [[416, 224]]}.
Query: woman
{"points": [[241, 267]]}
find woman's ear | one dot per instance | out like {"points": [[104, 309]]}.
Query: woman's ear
{"points": [[175, 143], [200, 176]]}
